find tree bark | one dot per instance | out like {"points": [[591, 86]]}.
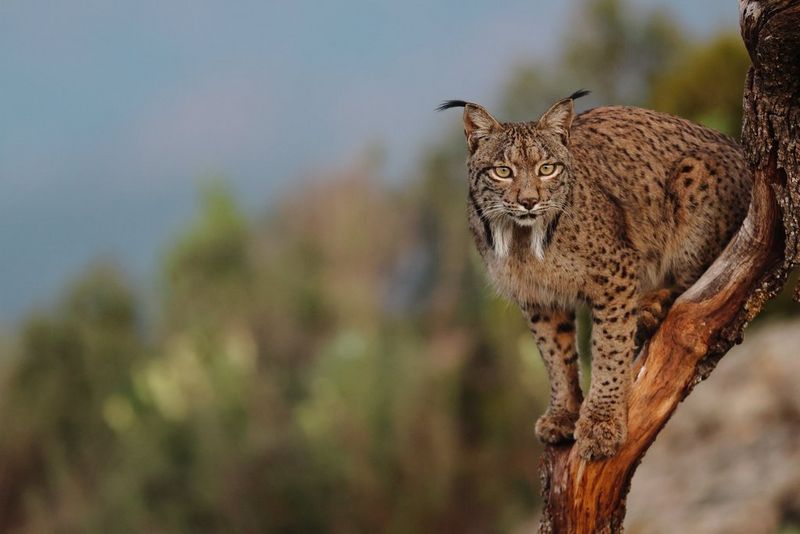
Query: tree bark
{"points": [[707, 320]]}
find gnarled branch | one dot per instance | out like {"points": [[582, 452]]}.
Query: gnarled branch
{"points": [[707, 320]]}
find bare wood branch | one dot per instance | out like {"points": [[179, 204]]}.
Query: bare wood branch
{"points": [[588, 497]]}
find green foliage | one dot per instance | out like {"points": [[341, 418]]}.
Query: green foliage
{"points": [[207, 270], [70, 384], [705, 84]]}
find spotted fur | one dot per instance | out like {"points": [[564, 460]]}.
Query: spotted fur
{"points": [[642, 204]]}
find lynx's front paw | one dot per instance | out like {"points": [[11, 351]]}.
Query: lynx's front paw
{"points": [[598, 435], [556, 426]]}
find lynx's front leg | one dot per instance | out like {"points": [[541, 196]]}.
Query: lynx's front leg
{"points": [[554, 332], [603, 422]]}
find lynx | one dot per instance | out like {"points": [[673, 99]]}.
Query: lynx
{"points": [[620, 208]]}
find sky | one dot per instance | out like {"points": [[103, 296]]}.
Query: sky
{"points": [[112, 113]]}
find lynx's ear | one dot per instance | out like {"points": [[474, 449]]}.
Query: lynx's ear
{"points": [[478, 123], [559, 117]]}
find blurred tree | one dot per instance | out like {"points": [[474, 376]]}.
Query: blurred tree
{"points": [[208, 269], [57, 425], [620, 51], [705, 84]]}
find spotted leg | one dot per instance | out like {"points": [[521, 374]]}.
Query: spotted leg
{"points": [[602, 426], [554, 332]]}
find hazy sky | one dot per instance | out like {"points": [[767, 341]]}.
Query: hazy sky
{"points": [[112, 111]]}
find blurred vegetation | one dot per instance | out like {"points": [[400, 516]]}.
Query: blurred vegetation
{"points": [[343, 371], [705, 85]]}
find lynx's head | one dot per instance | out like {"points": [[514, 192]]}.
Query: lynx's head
{"points": [[519, 173]]}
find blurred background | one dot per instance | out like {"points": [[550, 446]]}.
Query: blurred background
{"points": [[238, 290]]}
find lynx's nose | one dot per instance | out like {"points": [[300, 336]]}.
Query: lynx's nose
{"points": [[527, 202]]}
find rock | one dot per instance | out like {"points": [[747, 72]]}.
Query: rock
{"points": [[729, 460]]}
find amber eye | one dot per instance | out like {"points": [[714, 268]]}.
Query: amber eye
{"points": [[547, 169], [502, 172]]}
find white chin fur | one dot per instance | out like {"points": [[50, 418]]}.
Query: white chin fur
{"points": [[503, 234], [527, 222], [537, 239]]}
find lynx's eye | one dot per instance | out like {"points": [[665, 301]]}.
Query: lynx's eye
{"points": [[547, 169], [503, 173]]}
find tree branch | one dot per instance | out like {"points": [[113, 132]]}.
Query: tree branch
{"points": [[588, 497]]}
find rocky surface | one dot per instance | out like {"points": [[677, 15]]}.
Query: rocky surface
{"points": [[729, 460]]}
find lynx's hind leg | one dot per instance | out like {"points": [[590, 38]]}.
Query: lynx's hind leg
{"points": [[707, 198]]}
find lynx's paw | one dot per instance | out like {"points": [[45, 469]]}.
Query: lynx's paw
{"points": [[556, 426], [599, 436], [653, 307]]}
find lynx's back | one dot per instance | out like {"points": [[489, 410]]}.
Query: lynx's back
{"points": [[682, 189]]}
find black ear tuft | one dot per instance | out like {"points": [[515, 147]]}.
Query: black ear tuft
{"points": [[447, 104], [578, 94]]}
